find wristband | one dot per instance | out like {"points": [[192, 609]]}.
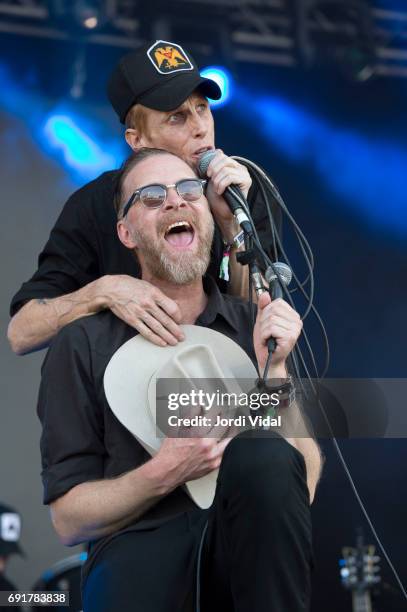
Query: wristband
{"points": [[238, 240], [284, 388]]}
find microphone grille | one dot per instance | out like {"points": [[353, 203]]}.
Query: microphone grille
{"points": [[284, 271], [204, 162]]}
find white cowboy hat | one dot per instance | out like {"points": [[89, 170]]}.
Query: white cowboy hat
{"points": [[131, 377]]}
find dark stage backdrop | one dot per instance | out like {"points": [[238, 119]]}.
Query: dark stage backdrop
{"points": [[34, 189], [360, 292]]}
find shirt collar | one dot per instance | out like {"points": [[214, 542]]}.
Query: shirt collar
{"points": [[218, 304]]}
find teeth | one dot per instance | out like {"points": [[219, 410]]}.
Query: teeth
{"points": [[177, 224]]}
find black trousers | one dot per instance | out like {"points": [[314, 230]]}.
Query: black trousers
{"points": [[256, 553]]}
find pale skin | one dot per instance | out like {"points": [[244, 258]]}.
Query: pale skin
{"points": [[186, 132], [95, 509]]}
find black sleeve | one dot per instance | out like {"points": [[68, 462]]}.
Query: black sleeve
{"points": [[72, 441], [69, 259]]}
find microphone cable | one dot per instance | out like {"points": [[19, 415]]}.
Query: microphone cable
{"points": [[266, 187], [268, 263]]}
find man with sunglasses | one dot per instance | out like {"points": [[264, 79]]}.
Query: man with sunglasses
{"points": [[144, 531], [161, 99]]}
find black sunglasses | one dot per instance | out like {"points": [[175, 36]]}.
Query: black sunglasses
{"points": [[154, 196]]}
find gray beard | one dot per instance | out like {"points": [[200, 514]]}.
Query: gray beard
{"points": [[186, 268]]}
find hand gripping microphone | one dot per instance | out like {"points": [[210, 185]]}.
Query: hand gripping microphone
{"points": [[275, 289], [231, 200]]}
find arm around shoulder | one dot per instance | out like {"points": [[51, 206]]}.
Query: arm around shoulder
{"points": [[39, 320], [66, 284], [131, 299]]}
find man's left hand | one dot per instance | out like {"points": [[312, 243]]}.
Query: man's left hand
{"points": [[222, 172], [275, 319]]}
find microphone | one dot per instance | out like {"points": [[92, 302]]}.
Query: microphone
{"points": [[273, 280], [228, 194], [275, 289]]}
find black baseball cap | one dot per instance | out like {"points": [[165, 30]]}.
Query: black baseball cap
{"points": [[10, 530], [159, 75]]}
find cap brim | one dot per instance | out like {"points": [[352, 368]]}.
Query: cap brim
{"points": [[175, 91]]}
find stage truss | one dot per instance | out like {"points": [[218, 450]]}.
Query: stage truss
{"points": [[365, 38]]}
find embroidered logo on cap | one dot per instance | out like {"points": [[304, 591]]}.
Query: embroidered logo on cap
{"points": [[10, 527], [168, 57]]}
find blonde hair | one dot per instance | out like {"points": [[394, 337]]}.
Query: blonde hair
{"points": [[136, 119]]}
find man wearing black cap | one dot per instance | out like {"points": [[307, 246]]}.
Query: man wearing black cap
{"points": [[10, 529], [161, 98], [161, 78]]}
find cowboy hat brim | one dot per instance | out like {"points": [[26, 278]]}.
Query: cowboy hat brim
{"points": [[129, 384]]}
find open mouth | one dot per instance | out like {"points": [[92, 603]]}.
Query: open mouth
{"points": [[197, 154], [179, 234]]}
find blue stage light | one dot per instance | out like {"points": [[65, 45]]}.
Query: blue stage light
{"points": [[79, 151], [84, 147], [367, 174], [223, 78]]}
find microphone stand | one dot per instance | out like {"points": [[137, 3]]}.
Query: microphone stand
{"points": [[248, 257]]}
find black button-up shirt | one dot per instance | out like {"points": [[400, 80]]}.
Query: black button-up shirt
{"points": [[82, 440]]}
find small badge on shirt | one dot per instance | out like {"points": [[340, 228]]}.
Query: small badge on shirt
{"points": [[168, 57]]}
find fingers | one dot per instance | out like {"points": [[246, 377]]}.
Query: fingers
{"points": [[263, 300], [192, 459], [222, 445], [219, 161], [219, 155], [218, 451], [147, 309], [148, 322], [224, 171], [162, 317], [147, 333], [207, 428], [278, 308], [195, 431], [150, 328], [289, 336], [226, 177], [169, 322], [275, 321], [218, 432], [169, 306], [286, 326], [214, 451], [162, 325]]}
